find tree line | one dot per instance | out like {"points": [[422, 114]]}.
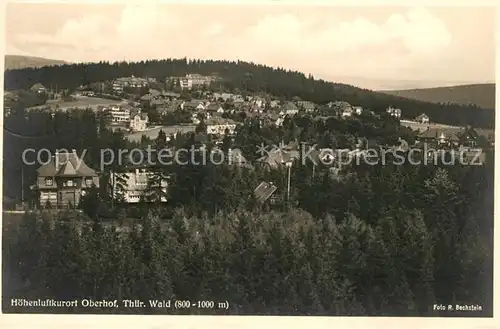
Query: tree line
{"points": [[249, 77], [377, 240]]}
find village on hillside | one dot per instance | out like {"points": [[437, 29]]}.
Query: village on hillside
{"points": [[142, 108]]}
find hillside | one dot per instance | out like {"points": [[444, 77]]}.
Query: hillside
{"points": [[21, 62], [250, 77], [482, 95]]}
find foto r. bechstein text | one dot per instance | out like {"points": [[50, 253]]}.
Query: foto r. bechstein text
{"points": [[468, 307]]}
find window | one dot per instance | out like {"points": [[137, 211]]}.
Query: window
{"points": [[49, 181], [69, 183]]}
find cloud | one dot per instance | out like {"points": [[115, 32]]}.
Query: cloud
{"points": [[326, 46]]}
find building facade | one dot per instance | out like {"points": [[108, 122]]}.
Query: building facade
{"points": [[134, 186], [64, 180]]}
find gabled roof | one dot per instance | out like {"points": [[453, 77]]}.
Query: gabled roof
{"points": [[289, 106], [37, 86], [154, 92], [264, 191], [237, 157], [68, 165], [67, 169], [213, 107]]}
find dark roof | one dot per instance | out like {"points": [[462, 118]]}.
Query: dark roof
{"points": [[193, 103], [264, 191], [289, 106], [67, 165], [37, 86], [213, 107]]}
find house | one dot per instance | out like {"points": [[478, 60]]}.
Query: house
{"points": [[439, 136], [214, 108], [422, 118], [170, 95], [170, 106], [394, 112], [259, 102], [235, 156], [264, 191], [64, 180], [193, 105], [135, 185], [278, 156], [138, 121], [307, 106], [38, 88], [358, 110], [290, 108], [469, 137], [155, 93], [195, 80], [219, 126], [279, 122], [347, 112], [222, 96], [274, 103], [186, 83], [132, 82], [120, 114], [195, 118]]}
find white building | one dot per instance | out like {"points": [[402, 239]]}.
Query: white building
{"points": [[132, 82], [120, 114], [394, 112], [422, 118], [139, 121], [186, 83], [132, 186], [218, 126], [195, 80], [358, 110], [347, 112]]}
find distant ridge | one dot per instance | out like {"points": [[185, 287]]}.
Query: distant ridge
{"points": [[481, 95], [14, 62]]}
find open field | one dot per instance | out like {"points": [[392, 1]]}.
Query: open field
{"points": [[424, 126], [482, 95], [80, 102], [13, 62], [153, 133]]}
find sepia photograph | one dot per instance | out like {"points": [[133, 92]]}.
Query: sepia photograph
{"points": [[273, 159]]}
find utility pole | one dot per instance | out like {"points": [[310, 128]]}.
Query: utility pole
{"points": [[112, 190], [22, 185], [289, 165]]}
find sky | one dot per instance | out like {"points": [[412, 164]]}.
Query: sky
{"points": [[372, 47]]}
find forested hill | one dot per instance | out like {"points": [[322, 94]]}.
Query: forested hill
{"points": [[20, 62], [482, 95], [251, 77]]}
